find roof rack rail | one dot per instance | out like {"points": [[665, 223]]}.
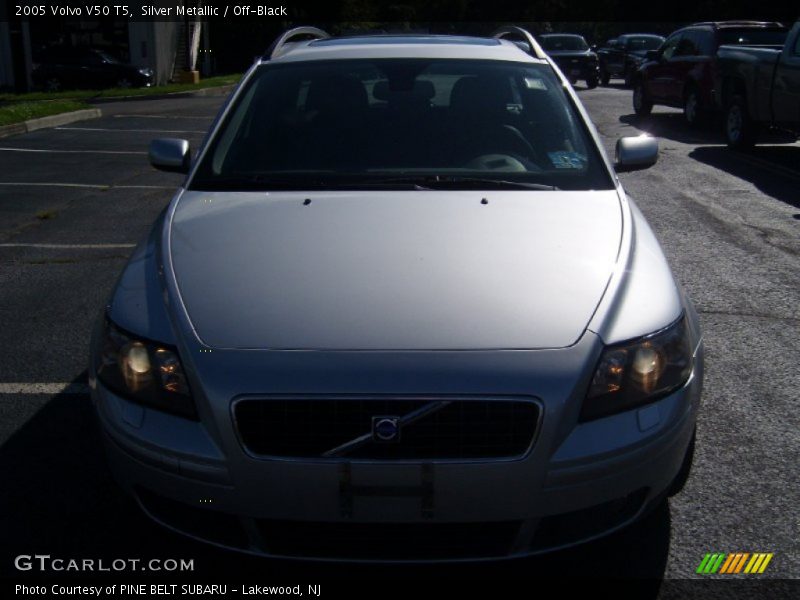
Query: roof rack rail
{"points": [[313, 32], [534, 49]]}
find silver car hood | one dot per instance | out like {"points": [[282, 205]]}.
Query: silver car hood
{"points": [[419, 270]]}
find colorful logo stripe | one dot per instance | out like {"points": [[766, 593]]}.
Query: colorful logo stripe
{"points": [[734, 563]]}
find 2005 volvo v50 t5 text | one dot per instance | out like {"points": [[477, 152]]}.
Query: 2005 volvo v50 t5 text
{"points": [[400, 309]]}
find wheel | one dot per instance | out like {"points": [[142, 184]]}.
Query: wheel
{"points": [[740, 130], [591, 83], [572, 80], [124, 83], [53, 84], [692, 109], [642, 104], [682, 477], [605, 77]]}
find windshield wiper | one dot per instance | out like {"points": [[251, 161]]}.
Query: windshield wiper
{"points": [[257, 182], [457, 182]]}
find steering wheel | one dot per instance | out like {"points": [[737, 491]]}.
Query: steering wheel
{"points": [[497, 162]]}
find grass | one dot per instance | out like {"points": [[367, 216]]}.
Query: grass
{"points": [[22, 111], [16, 108], [118, 92]]}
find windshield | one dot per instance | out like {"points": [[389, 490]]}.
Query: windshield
{"points": [[643, 43], [563, 42], [400, 123], [752, 37]]}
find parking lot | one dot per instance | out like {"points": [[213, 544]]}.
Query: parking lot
{"points": [[75, 200]]}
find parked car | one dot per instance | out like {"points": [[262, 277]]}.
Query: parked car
{"points": [[573, 56], [622, 57], [683, 71], [400, 308], [760, 88], [69, 67]]}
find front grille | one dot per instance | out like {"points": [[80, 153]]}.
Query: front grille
{"points": [[454, 429], [388, 541]]}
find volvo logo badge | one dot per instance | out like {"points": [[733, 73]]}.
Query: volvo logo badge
{"points": [[386, 429]]}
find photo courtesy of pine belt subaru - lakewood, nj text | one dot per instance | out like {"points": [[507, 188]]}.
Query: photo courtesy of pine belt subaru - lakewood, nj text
{"points": [[401, 295]]}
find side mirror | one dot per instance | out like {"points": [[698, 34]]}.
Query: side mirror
{"points": [[635, 153], [170, 154], [652, 55]]}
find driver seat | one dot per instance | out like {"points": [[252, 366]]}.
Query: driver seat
{"points": [[479, 120]]}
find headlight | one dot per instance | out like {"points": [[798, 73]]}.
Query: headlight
{"points": [[145, 71], [641, 371], [143, 371]]}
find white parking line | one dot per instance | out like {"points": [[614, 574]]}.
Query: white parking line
{"points": [[44, 388], [93, 186], [69, 151], [131, 130], [69, 246], [133, 115]]}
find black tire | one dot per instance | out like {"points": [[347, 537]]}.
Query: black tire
{"points": [[591, 83], [741, 132], [605, 77], [642, 104], [124, 83], [692, 108], [53, 84], [682, 477]]}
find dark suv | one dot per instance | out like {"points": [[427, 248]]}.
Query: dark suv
{"points": [[682, 72], [623, 56], [573, 56]]}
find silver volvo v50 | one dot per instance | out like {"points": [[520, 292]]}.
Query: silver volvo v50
{"points": [[401, 308]]}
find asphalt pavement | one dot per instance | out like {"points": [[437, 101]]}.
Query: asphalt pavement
{"points": [[74, 201]]}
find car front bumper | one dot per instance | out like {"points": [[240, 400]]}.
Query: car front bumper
{"points": [[579, 69], [571, 487]]}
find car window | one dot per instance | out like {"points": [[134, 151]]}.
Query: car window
{"points": [[704, 41], [752, 37], [669, 47], [643, 43], [563, 43], [688, 44], [342, 122]]}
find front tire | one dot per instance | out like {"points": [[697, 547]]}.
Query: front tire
{"points": [[642, 104], [740, 130], [53, 84], [692, 109], [591, 83]]}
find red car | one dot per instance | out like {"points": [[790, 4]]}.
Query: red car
{"points": [[682, 72]]}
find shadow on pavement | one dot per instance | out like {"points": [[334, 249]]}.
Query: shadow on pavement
{"points": [[779, 182], [673, 126], [58, 498]]}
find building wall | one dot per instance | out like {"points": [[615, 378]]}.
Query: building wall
{"points": [[153, 44], [6, 67]]}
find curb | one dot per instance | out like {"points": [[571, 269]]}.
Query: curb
{"points": [[220, 90], [50, 121]]}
